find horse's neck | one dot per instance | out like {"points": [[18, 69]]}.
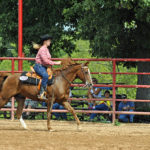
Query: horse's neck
{"points": [[64, 80], [70, 76]]}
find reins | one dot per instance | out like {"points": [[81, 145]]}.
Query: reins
{"points": [[65, 77], [70, 81]]}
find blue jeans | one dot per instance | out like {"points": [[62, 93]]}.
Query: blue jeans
{"points": [[126, 117], [98, 107], [58, 106], [42, 71], [44, 104]]}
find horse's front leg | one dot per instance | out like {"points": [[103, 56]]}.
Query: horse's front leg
{"points": [[71, 110], [49, 110]]}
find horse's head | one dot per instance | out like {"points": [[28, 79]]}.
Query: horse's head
{"points": [[84, 74], [81, 71]]}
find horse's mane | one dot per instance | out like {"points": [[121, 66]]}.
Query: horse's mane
{"points": [[66, 64]]}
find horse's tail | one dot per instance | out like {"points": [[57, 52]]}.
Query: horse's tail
{"points": [[3, 77]]}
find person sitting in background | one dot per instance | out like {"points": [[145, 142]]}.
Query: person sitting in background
{"points": [[29, 104], [95, 92], [6, 113], [58, 115], [126, 106], [103, 105], [70, 92]]}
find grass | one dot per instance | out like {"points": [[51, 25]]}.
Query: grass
{"points": [[117, 123]]}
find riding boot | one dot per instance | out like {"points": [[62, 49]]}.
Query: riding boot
{"points": [[42, 94]]}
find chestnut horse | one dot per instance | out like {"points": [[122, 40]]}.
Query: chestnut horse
{"points": [[3, 76], [58, 92]]}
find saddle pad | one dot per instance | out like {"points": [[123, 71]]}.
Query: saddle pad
{"points": [[33, 81]]}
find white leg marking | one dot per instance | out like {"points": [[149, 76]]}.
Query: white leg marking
{"points": [[90, 75], [23, 123], [78, 128], [52, 130]]}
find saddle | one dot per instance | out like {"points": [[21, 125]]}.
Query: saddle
{"points": [[33, 74], [34, 79]]}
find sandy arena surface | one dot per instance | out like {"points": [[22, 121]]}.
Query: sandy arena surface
{"points": [[93, 136]]}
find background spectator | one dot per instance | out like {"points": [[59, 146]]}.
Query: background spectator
{"points": [[28, 105], [103, 105], [126, 106], [58, 115], [95, 92]]}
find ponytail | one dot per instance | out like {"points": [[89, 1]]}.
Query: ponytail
{"points": [[36, 46]]}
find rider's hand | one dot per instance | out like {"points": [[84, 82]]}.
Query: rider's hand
{"points": [[58, 62]]}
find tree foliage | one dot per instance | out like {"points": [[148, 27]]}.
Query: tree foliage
{"points": [[39, 17], [115, 28]]}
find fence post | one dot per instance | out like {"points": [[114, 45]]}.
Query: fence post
{"points": [[12, 66], [12, 108], [114, 91], [20, 33]]}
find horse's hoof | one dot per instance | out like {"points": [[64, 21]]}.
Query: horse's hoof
{"points": [[51, 130], [79, 128], [23, 124], [26, 128]]}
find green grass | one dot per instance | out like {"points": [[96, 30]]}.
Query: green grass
{"points": [[117, 123]]}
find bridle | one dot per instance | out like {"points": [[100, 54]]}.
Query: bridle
{"points": [[82, 72], [85, 75], [65, 77]]}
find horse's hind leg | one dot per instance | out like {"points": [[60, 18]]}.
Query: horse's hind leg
{"points": [[20, 101], [3, 102], [71, 110], [49, 110]]}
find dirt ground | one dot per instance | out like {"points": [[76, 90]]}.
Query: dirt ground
{"points": [[92, 136]]}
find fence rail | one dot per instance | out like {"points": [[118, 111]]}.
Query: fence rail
{"points": [[113, 85]]}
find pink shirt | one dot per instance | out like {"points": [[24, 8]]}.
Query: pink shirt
{"points": [[43, 57]]}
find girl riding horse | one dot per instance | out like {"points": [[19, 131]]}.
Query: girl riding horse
{"points": [[43, 60]]}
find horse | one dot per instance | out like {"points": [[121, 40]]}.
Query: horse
{"points": [[57, 92], [3, 76]]}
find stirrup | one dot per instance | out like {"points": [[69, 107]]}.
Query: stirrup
{"points": [[42, 96]]}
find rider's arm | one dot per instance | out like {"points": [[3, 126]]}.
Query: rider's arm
{"points": [[57, 62], [45, 57]]}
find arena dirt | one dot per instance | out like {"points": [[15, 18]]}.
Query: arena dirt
{"points": [[93, 136]]}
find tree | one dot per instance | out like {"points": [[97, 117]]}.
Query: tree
{"points": [[115, 28], [39, 17]]}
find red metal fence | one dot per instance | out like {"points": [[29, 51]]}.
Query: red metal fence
{"points": [[114, 73]]}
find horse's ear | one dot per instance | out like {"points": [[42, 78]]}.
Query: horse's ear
{"points": [[87, 63]]}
